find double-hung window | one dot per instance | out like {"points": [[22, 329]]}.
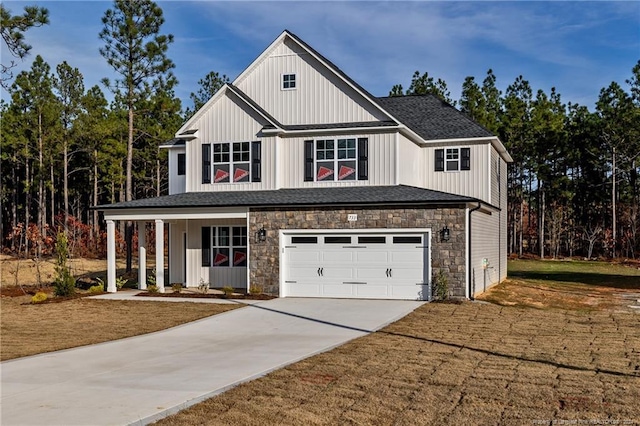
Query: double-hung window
{"points": [[452, 159], [233, 162], [339, 159], [228, 246]]}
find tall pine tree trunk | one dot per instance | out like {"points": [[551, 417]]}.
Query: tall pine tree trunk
{"points": [[65, 188]]}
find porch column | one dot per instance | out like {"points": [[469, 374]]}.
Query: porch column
{"points": [[142, 256], [111, 256], [160, 255]]}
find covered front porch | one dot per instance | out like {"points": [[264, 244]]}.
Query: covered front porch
{"points": [[195, 259]]}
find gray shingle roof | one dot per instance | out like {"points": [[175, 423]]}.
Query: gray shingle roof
{"points": [[350, 195], [432, 118]]}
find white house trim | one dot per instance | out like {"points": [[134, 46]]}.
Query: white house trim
{"points": [[174, 214]]}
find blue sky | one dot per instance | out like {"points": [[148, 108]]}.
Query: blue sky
{"points": [[577, 47]]}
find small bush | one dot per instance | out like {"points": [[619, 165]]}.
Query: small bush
{"points": [[151, 278], [203, 287], [440, 286], [152, 289], [255, 289], [39, 297], [228, 290], [121, 282], [96, 289], [176, 287]]}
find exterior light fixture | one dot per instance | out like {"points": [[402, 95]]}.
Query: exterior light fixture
{"points": [[261, 235], [446, 234]]}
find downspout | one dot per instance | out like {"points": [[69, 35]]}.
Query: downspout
{"points": [[470, 269]]}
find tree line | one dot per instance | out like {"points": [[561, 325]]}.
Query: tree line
{"points": [[572, 189]]}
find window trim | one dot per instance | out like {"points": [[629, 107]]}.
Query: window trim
{"points": [[287, 80], [463, 160], [252, 166], [455, 150]]}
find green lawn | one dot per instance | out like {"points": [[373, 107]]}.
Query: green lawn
{"points": [[553, 272]]}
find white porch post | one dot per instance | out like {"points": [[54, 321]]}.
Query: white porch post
{"points": [[160, 255], [142, 256], [111, 256]]}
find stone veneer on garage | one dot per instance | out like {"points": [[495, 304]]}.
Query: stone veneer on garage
{"points": [[448, 256]]}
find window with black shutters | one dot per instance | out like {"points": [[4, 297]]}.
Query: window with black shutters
{"points": [[452, 159], [336, 159]]}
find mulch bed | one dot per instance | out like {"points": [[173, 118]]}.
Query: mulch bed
{"points": [[209, 296]]}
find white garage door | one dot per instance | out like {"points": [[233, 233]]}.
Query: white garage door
{"points": [[373, 266]]}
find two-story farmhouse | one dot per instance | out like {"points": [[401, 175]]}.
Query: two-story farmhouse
{"points": [[296, 180]]}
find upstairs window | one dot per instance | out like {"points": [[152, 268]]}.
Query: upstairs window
{"points": [[288, 81], [233, 162], [452, 159], [182, 164], [341, 159]]}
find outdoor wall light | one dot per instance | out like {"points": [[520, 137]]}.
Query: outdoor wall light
{"points": [[445, 233], [261, 235]]}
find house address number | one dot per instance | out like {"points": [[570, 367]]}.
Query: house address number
{"points": [[352, 217]]}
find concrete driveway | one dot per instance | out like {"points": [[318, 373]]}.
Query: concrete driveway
{"points": [[141, 379]]}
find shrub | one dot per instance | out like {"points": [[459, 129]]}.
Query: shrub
{"points": [[152, 289], [64, 284], [151, 278], [440, 286], [228, 290], [121, 282], [39, 297], [255, 289], [176, 287], [96, 289], [203, 287]]}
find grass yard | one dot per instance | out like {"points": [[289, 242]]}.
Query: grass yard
{"points": [[576, 362], [27, 329]]}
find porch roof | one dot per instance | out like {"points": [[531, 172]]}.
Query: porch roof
{"points": [[335, 196]]}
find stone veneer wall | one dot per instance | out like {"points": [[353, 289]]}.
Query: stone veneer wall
{"points": [[450, 255]]}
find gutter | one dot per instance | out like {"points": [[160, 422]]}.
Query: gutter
{"points": [[469, 271]]}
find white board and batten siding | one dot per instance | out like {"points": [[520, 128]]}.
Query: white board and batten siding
{"points": [[229, 120], [484, 233], [319, 97], [381, 161], [177, 183], [417, 168], [215, 276]]}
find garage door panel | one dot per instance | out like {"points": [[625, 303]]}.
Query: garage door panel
{"points": [[377, 273], [409, 291], [345, 273], [337, 290], [302, 272], [371, 291], [340, 256], [406, 256], [304, 290], [303, 256], [407, 273], [367, 255]]}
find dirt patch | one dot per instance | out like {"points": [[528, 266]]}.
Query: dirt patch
{"points": [[452, 364]]}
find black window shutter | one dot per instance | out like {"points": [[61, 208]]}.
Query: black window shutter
{"points": [[206, 163], [363, 158], [256, 161], [182, 164], [439, 160], [206, 246], [308, 161], [465, 158]]}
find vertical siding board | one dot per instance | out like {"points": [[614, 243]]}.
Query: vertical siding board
{"points": [[484, 229], [320, 96]]}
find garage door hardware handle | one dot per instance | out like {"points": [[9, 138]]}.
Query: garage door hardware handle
{"points": [[389, 273], [353, 282], [354, 246], [290, 246], [422, 246], [291, 282], [321, 272]]}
